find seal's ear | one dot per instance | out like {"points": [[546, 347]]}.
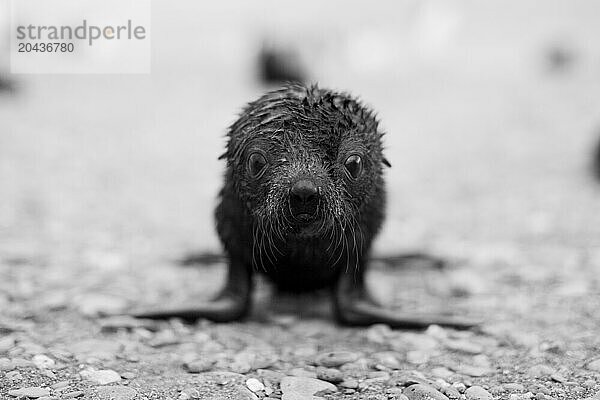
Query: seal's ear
{"points": [[385, 162]]}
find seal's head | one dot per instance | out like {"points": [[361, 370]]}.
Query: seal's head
{"points": [[305, 161]]}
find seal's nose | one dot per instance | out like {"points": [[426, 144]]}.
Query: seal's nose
{"points": [[304, 198], [304, 191]]}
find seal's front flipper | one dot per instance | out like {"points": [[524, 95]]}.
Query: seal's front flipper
{"points": [[353, 306], [362, 313], [233, 303], [225, 308]]}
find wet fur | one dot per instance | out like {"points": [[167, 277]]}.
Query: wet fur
{"points": [[304, 132]]}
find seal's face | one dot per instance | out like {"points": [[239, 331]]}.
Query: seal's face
{"points": [[305, 161]]}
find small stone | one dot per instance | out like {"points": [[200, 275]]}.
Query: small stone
{"points": [[513, 387], [409, 378], [115, 323], [6, 344], [49, 374], [255, 385], [594, 365], [72, 395], [330, 375], [451, 392], [128, 375], [42, 361], [164, 338], [558, 378], [6, 364], [442, 372], [240, 367], [14, 376], [389, 359], [464, 346], [478, 393], [589, 383], [473, 371], [540, 371], [116, 393], [101, 377], [305, 386], [336, 358], [301, 372], [197, 366], [94, 304], [32, 392], [379, 333], [21, 363], [417, 357], [60, 385], [461, 387], [349, 383], [423, 392]]}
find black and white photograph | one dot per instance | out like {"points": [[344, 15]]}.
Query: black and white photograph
{"points": [[318, 200]]}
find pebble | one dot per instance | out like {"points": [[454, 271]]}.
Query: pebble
{"points": [[101, 377], [240, 367], [423, 392], [32, 392], [417, 357], [42, 361], [478, 393], [295, 385], [594, 365], [558, 378], [302, 373], [72, 395], [14, 376], [589, 383], [379, 333], [128, 375], [197, 366], [464, 346], [461, 387], [473, 371], [540, 371], [451, 392], [116, 393], [255, 385], [349, 383], [115, 323], [6, 344], [335, 358], [94, 304], [60, 385], [164, 338], [330, 375], [513, 387], [21, 363], [6, 364], [442, 372], [389, 359]]}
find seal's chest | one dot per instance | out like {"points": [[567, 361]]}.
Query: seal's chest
{"points": [[303, 266]]}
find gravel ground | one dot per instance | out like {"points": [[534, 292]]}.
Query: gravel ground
{"points": [[107, 181]]}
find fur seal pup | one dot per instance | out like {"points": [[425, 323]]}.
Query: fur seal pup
{"points": [[302, 201]]}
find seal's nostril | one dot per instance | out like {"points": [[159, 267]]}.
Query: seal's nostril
{"points": [[304, 191]]}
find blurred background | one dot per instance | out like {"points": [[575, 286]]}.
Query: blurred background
{"points": [[491, 109]]}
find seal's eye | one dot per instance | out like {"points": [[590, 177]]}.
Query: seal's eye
{"points": [[354, 165], [256, 164]]}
